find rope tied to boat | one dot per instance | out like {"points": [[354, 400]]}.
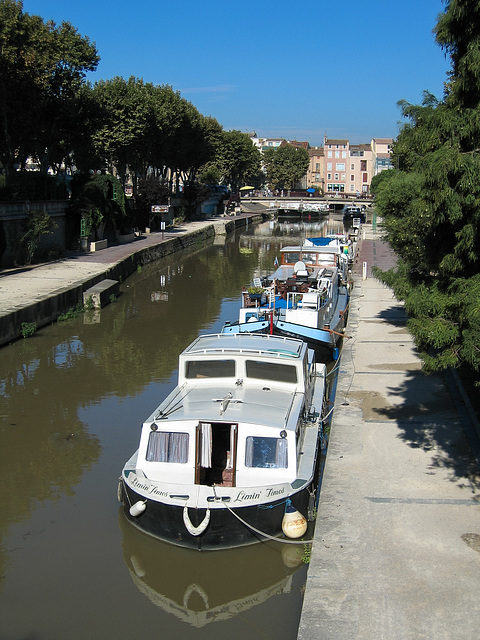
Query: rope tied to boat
{"points": [[261, 533]]}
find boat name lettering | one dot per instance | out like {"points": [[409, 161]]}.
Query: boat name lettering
{"points": [[148, 487], [242, 496], [275, 492]]}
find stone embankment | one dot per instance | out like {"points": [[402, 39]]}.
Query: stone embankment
{"points": [[40, 293]]}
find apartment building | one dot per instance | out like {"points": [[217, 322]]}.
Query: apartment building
{"points": [[360, 169], [381, 149], [336, 153], [316, 169]]}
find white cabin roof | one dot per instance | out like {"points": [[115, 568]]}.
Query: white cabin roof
{"points": [[264, 406]]}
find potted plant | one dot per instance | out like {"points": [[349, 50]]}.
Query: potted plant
{"points": [[255, 293]]}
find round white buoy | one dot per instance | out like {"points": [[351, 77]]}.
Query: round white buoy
{"points": [[294, 525], [138, 508]]}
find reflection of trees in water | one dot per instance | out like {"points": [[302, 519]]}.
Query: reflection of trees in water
{"points": [[45, 380], [44, 448]]}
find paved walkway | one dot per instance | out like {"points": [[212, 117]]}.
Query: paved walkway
{"points": [[397, 542]]}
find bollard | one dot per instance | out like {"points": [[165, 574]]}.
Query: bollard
{"points": [[364, 270]]}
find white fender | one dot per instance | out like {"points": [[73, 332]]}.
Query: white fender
{"points": [[138, 508], [195, 531]]}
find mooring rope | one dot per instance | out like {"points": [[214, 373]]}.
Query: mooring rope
{"points": [[262, 533]]}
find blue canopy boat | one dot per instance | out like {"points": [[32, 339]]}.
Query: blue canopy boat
{"points": [[306, 297]]}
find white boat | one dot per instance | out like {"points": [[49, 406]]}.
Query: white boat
{"points": [[231, 456], [307, 296]]}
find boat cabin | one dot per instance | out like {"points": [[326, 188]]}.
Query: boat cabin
{"points": [[236, 417]]}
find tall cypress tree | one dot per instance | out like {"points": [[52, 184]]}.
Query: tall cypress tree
{"points": [[431, 204]]}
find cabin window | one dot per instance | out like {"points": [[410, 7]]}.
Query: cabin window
{"points": [[291, 256], [210, 369], [266, 453], [309, 258], [167, 446], [276, 371]]}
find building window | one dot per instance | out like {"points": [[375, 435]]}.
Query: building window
{"points": [[340, 166], [344, 154], [365, 177], [352, 178], [337, 154], [336, 177], [352, 167], [344, 177], [329, 176], [329, 166], [329, 154], [363, 165]]}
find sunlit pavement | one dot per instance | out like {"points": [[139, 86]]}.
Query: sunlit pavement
{"points": [[397, 543]]}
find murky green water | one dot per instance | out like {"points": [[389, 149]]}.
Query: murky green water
{"points": [[72, 400]]}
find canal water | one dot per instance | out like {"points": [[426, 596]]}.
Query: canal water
{"points": [[73, 397]]}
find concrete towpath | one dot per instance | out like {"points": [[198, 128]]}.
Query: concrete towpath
{"points": [[396, 554]]}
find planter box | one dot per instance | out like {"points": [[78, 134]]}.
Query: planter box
{"points": [[98, 245]]}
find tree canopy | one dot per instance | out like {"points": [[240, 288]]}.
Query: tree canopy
{"points": [[42, 68], [237, 160], [431, 204], [285, 166]]}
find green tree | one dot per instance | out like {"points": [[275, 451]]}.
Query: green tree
{"points": [[126, 115], [237, 161], [42, 69], [100, 201], [36, 225], [431, 207], [285, 166]]}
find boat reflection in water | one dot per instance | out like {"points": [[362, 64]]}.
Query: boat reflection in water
{"points": [[200, 588]]}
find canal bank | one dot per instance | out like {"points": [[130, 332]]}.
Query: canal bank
{"points": [[40, 293], [396, 553]]}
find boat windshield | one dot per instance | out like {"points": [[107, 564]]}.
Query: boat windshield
{"points": [[309, 258], [276, 371], [210, 368], [291, 257]]}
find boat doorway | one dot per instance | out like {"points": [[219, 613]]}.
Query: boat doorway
{"points": [[216, 453]]}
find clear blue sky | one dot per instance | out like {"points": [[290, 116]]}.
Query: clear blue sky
{"points": [[294, 70]]}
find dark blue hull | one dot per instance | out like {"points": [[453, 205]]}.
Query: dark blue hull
{"points": [[224, 531]]}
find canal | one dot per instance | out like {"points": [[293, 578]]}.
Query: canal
{"points": [[73, 398]]}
